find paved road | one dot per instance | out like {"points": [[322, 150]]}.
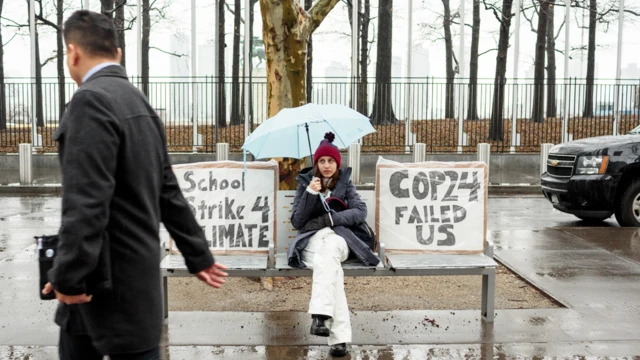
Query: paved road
{"points": [[593, 270]]}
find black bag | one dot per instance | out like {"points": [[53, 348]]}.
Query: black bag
{"points": [[98, 280], [362, 230], [46, 247]]}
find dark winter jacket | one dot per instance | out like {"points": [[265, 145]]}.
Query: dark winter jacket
{"points": [[307, 206], [117, 184]]}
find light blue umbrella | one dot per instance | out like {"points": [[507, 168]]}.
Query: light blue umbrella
{"points": [[289, 133]]}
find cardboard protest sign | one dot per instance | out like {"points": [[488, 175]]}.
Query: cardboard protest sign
{"points": [[438, 207], [236, 211]]}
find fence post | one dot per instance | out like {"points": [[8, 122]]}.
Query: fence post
{"points": [[484, 154], [544, 155], [25, 164], [419, 152], [222, 151], [354, 162]]}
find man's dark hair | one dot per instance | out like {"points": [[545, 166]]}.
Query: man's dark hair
{"points": [[92, 32]]}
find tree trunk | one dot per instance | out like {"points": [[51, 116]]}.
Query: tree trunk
{"points": [[120, 25], [236, 119], [497, 117], [472, 112], [363, 93], [39, 98], [307, 7], [449, 112], [3, 96], [222, 96], [551, 63], [146, 31], [382, 107], [538, 77], [591, 59], [286, 28], [251, 22], [106, 7], [60, 57]]}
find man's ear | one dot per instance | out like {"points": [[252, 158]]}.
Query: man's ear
{"points": [[72, 54], [119, 56]]}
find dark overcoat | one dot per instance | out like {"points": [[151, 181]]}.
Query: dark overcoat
{"points": [[118, 185]]}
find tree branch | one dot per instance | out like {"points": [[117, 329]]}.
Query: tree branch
{"points": [[167, 52], [53, 57], [14, 35], [47, 22], [229, 9], [318, 13], [488, 51], [458, 23], [15, 24]]}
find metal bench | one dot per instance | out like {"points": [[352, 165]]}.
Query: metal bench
{"points": [[274, 263]]}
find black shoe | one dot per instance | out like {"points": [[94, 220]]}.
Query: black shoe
{"points": [[338, 350], [318, 328]]}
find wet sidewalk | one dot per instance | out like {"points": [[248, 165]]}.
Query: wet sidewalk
{"points": [[593, 271]]}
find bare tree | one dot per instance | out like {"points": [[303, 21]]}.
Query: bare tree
{"points": [[591, 59], [120, 24], [236, 118], [504, 17], [472, 111], [538, 79], [146, 32], [57, 27], [382, 107], [60, 57], [3, 96], [448, 43], [551, 62], [307, 6], [364, 18], [220, 48]]}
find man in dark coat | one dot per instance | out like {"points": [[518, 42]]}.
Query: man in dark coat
{"points": [[117, 186]]}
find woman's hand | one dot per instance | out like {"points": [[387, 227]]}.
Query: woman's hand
{"points": [[318, 223], [315, 185]]}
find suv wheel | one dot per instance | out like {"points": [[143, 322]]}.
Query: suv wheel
{"points": [[628, 206]]}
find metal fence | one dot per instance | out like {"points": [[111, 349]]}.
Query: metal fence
{"points": [[430, 106]]}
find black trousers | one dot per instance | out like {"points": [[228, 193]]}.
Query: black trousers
{"points": [[79, 347]]}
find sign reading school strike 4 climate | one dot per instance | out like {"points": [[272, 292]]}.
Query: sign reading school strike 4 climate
{"points": [[432, 206], [236, 211]]}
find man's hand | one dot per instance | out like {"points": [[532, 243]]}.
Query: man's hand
{"points": [[213, 276], [67, 299]]}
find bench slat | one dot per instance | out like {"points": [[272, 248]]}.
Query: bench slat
{"points": [[281, 264], [245, 262], [431, 261]]}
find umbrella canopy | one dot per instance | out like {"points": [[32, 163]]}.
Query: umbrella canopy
{"points": [[296, 132]]}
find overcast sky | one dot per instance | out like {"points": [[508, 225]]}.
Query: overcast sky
{"points": [[332, 42]]}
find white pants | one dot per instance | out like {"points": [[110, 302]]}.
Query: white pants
{"points": [[324, 254]]}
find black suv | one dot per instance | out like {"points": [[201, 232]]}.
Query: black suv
{"points": [[596, 177]]}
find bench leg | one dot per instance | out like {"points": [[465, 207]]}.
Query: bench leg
{"points": [[165, 298], [488, 295]]}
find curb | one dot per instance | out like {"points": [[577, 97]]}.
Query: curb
{"points": [[56, 190], [31, 190]]}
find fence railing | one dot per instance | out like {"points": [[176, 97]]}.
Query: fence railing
{"points": [[430, 106]]}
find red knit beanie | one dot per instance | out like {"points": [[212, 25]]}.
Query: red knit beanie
{"points": [[327, 148]]}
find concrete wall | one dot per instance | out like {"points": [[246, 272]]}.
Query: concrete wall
{"points": [[503, 168]]}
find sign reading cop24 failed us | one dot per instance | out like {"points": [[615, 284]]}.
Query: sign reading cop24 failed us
{"points": [[432, 206], [234, 211]]}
